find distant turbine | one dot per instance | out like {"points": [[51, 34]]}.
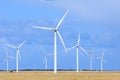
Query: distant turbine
{"points": [[102, 60], [77, 46], [56, 32], [45, 57], [17, 53], [91, 58], [7, 59]]}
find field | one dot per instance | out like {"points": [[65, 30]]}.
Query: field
{"points": [[62, 75]]}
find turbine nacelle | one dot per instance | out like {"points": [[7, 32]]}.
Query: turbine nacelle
{"points": [[90, 51], [17, 48], [77, 46], [55, 30]]}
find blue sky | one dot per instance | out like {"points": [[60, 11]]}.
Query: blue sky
{"points": [[97, 21]]}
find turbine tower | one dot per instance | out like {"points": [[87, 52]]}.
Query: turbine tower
{"points": [[17, 53], [56, 32], [91, 58], [77, 46], [7, 59], [102, 60], [45, 60]]}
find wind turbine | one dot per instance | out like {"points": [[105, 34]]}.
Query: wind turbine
{"points": [[77, 46], [91, 58], [45, 57], [56, 32], [17, 53], [7, 59], [102, 60]]}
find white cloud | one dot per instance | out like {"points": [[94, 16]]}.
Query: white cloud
{"points": [[106, 11], [96, 11]]}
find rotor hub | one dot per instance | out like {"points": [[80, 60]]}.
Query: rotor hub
{"points": [[17, 48], [55, 30], [77, 46]]}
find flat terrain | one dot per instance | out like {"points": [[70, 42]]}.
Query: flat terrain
{"points": [[61, 75]]}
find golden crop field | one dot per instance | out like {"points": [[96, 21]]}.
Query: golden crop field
{"points": [[61, 75]]}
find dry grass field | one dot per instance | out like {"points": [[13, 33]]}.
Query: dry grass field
{"points": [[62, 75]]}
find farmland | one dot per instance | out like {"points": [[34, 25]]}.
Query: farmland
{"points": [[62, 75]]}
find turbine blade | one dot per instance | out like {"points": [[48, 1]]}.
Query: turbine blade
{"points": [[7, 56], [78, 39], [103, 53], [44, 59], [49, 54], [11, 57], [45, 28], [58, 25], [90, 52], [59, 35], [71, 48], [98, 58], [6, 53], [4, 60], [10, 46], [46, 54], [22, 43], [43, 51], [104, 61], [83, 50]]}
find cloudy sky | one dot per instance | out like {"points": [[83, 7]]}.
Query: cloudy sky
{"points": [[97, 21]]}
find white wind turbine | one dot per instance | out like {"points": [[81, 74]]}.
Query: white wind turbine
{"points": [[102, 60], [91, 58], [17, 53], [77, 46], [56, 32], [45, 60], [7, 59]]}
